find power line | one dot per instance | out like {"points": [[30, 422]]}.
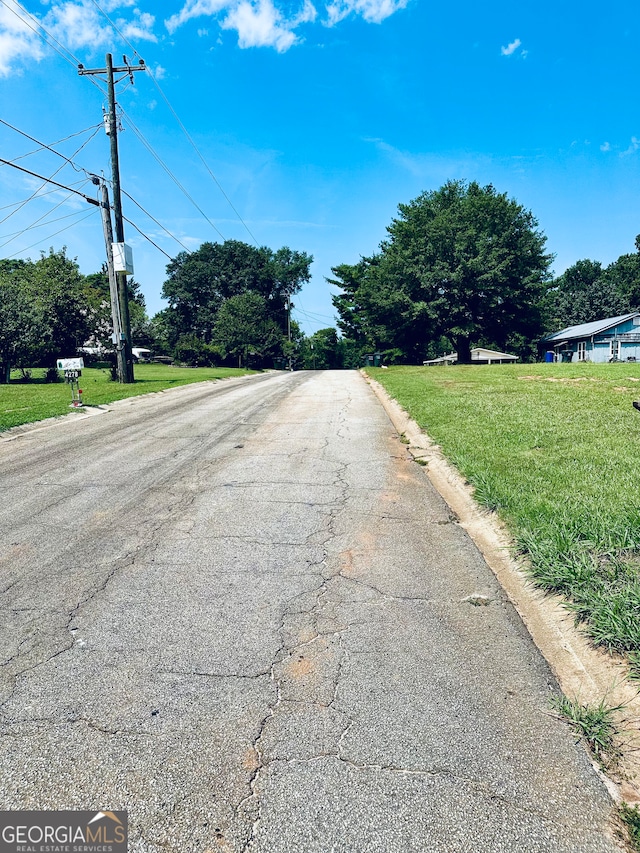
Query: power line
{"points": [[170, 173], [203, 161], [159, 224], [44, 240], [17, 234], [146, 237], [40, 195], [177, 118], [34, 224], [48, 181], [43, 145]]}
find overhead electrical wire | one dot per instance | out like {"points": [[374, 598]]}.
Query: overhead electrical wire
{"points": [[44, 240], [40, 195], [34, 224], [203, 161], [177, 118], [47, 180], [44, 146], [159, 224], [146, 237], [73, 61], [86, 198], [50, 181], [17, 234], [170, 173]]}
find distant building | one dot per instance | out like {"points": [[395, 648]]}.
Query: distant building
{"points": [[612, 339], [479, 355]]}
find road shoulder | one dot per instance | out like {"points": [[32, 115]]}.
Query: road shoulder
{"points": [[582, 671]]}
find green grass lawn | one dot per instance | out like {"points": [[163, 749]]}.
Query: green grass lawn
{"points": [[22, 403], [555, 450]]}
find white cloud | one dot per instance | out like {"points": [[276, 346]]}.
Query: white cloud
{"points": [[203, 32], [373, 11], [78, 24], [306, 15], [511, 48], [633, 147], [158, 72], [140, 29], [195, 9], [17, 39], [259, 25], [606, 146]]}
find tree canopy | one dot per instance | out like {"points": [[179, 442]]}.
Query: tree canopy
{"points": [[463, 262], [200, 283], [584, 292], [44, 312]]}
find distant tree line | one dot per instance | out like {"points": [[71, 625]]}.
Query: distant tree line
{"points": [[461, 266], [228, 303]]}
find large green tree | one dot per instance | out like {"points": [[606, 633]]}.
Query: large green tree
{"points": [[199, 283], [463, 262], [624, 275], [21, 327], [244, 328], [44, 312]]}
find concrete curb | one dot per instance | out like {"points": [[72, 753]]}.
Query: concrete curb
{"points": [[582, 671]]}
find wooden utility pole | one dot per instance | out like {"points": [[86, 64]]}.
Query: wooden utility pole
{"points": [[112, 131], [289, 328], [121, 361]]}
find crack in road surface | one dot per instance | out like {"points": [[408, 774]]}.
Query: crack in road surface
{"points": [[248, 624]]}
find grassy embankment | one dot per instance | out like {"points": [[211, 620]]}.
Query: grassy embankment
{"points": [[25, 402], [555, 450]]}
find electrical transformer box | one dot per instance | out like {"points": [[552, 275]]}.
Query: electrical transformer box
{"points": [[122, 258]]}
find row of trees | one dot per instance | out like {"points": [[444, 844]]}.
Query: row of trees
{"points": [[228, 302], [461, 266], [48, 309], [464, 266]]}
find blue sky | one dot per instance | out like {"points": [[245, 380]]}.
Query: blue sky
{"points": [[317, 119]]}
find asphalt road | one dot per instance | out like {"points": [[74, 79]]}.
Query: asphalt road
{"points": [[240, 612]]}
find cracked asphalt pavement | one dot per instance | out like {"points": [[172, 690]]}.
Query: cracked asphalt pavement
{"points": [[241, 612]]}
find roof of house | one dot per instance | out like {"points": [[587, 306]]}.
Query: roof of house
{"points": [[480, 353], [477, 354], [586, 330]]}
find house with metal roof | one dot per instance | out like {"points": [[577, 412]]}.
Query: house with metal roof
{"points": [[612, 339], [479, 355]]}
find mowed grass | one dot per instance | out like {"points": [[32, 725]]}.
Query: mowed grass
{"points": [[22, 403], [555, 450]]}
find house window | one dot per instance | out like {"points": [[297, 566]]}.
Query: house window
{"points": [[582, 350], [614, 350]]}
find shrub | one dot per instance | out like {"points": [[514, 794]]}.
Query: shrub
{"points": [[52, 374]]}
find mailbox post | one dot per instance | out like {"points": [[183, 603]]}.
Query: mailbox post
{"points": [[72, 368]]}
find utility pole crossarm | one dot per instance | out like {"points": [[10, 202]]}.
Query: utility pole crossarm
{"points": [[126, 69]]}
